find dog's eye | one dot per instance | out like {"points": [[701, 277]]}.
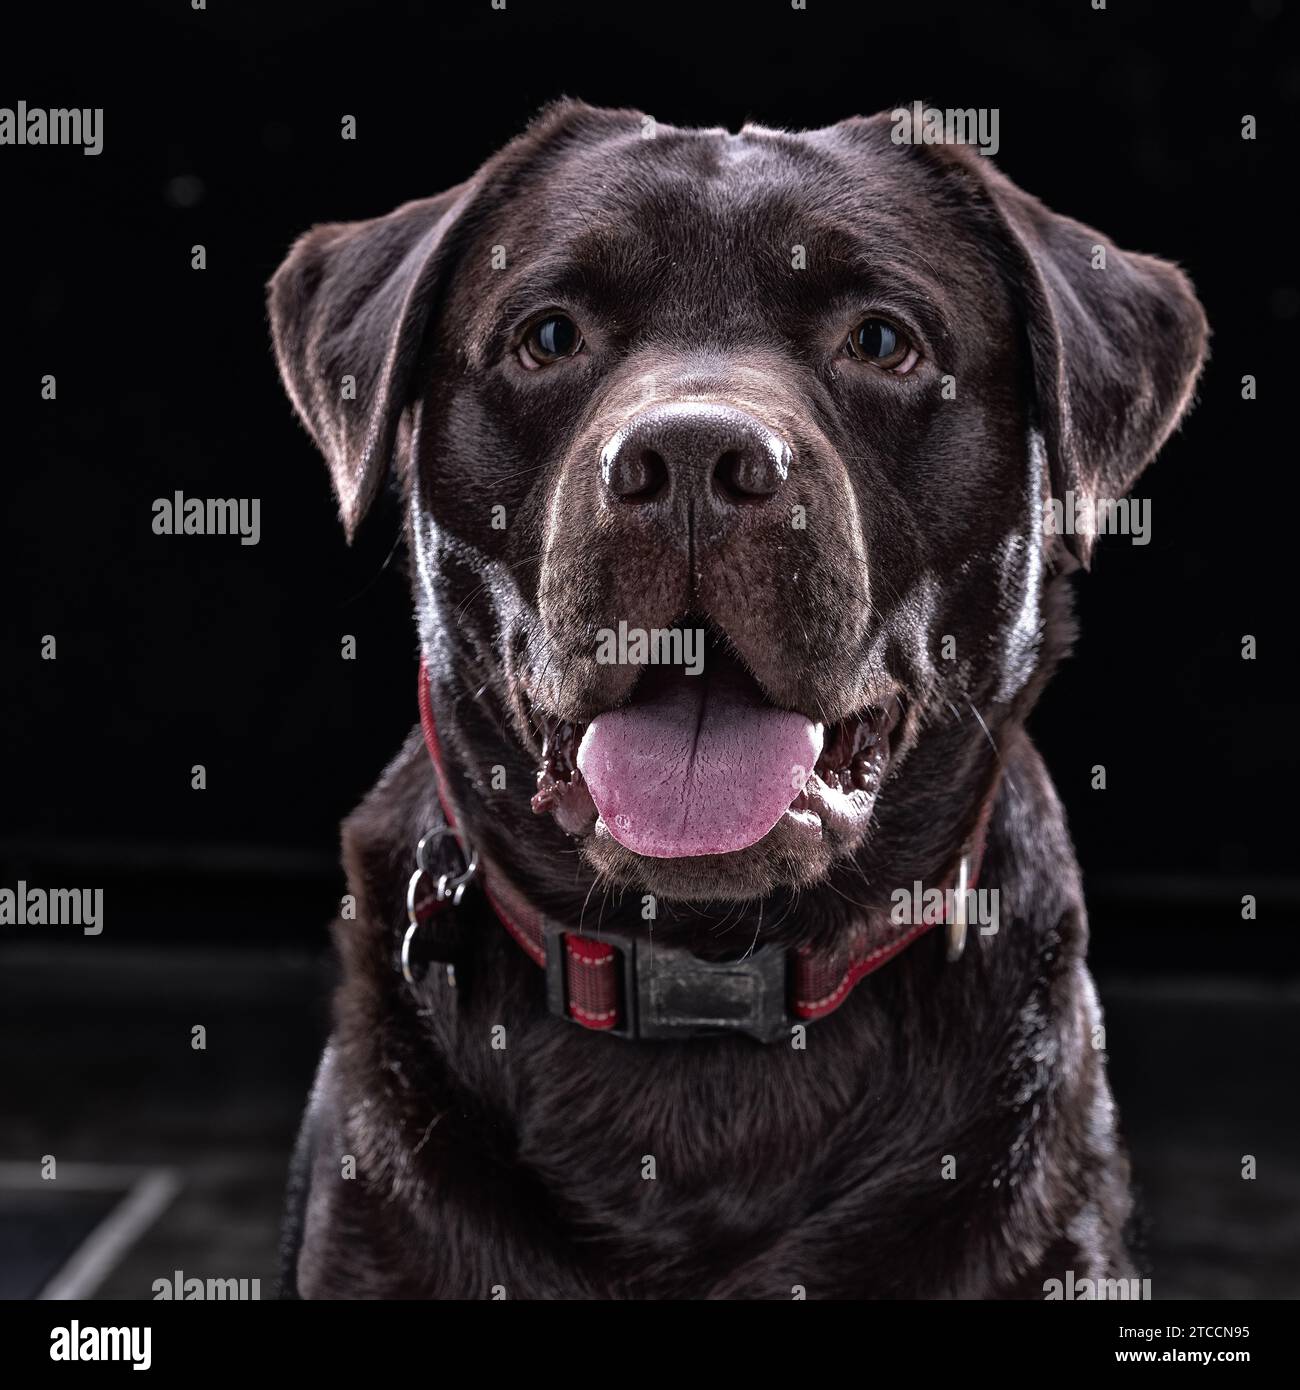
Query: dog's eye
{"points": [[882, 344], [550, 339]]}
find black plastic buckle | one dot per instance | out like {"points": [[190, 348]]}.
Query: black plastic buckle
{"points": [[668, 992]]}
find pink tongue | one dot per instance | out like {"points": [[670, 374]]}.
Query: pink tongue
{"points": [[700, 765]]}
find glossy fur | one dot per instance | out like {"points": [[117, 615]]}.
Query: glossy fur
{"points": [[947, 1133]]}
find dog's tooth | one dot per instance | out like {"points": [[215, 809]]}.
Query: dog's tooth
{"points": [[864, 776], [544, 797], [575, 811]]}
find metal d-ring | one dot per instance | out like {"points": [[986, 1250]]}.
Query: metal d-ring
{"points": [[448, 889], [957, 927], [407, 973], [448, 884], [406, 953]]}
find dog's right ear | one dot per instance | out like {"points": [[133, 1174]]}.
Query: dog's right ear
{"points": [[351, 305], [349, 309]]}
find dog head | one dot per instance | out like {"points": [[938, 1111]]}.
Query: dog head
{"points": [[726, 460]]}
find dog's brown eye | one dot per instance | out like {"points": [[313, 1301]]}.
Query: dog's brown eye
{"points": [[550, 339], [877, 341]]}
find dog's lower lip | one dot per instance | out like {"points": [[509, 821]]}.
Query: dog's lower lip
{"points": [[841, 792]]}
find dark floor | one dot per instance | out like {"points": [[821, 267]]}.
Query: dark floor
{"points": [[126, 1088], [1204, 1074]]}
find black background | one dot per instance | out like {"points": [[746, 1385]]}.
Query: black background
{"points": [[223, 128]]}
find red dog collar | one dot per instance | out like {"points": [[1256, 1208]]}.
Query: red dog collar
{"points": [[624, 983]]}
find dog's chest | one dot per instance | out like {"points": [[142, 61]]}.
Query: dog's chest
{"points": [[662, 1170]]}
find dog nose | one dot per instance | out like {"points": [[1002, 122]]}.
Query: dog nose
{"points": [[703, 453]]}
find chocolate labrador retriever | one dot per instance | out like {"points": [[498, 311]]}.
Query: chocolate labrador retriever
{"points": [[719, 934]]}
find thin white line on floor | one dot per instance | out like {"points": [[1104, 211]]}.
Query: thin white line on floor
{"points": [[102, 1250]]}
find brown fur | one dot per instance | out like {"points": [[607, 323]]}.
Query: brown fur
{"points": [[776, 1167]]}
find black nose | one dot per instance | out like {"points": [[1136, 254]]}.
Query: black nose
{"points": [[710, 455]]}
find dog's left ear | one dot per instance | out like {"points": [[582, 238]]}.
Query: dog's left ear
{"points": [[1117, 339]]}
